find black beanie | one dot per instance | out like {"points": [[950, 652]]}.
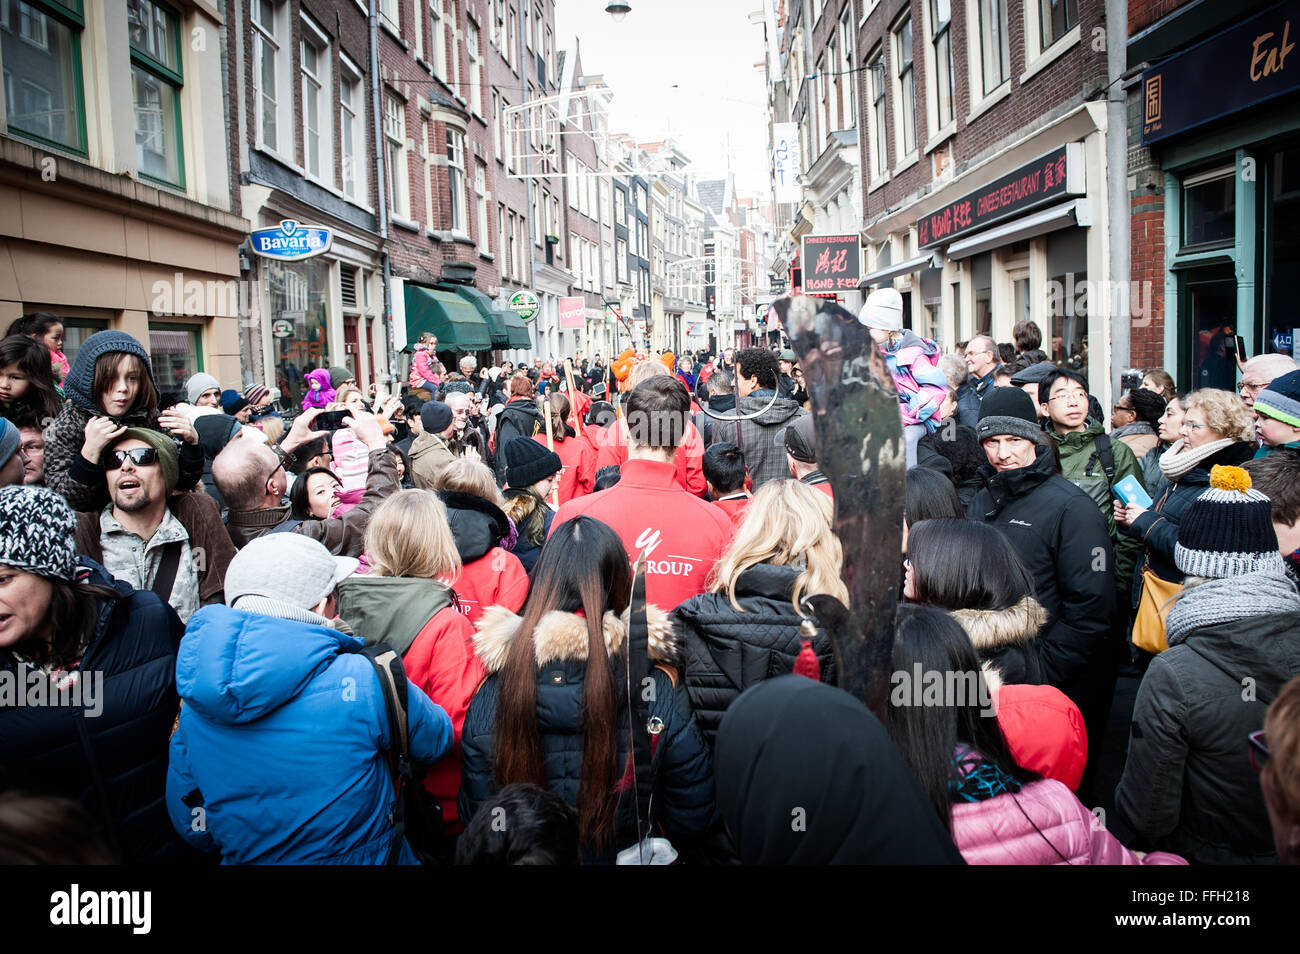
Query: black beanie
{"points": [[435, 417], [527, 462], [1008, 411]]}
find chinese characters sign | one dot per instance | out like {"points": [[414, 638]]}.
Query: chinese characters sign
{"points": [[831, 264], [1057, 174], [1248, 64]]}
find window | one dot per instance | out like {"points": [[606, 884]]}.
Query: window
{"points": [[994, 55], [426, 157], [154, 32], [270, 70], [1210, 208], [481, 199], [574, 166], [317, 138], [399, 192], [941, 47], [475, 67], [438, 39], [1056, 18], [453, 51], [849, 77], [620, 258], [495, 120], [456, 178], [40, 44], [512, 44], [352, 136], [536, 217], [906, 79], [507, 138], [388, 13], [876, 70], [418, 23], [175, 353], [501, 241]]}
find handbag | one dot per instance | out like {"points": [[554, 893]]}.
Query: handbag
{"points": [[1153, 607]]}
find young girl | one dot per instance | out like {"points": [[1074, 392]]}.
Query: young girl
{"points": [[46, 329], [530, 473], [423, 375], [110, 388], [26, 383]]}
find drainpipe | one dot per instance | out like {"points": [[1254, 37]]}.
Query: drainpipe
{"points": [[381, 184], [1117, 195], [528, 180]]}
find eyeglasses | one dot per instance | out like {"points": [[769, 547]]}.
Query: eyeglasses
{"points": [[1259, 752], [1248, 386], [1121, 407], [1070, 397], [140, 457], [1189, 426]]}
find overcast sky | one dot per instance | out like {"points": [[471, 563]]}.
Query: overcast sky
{"points": [[682, 69]]}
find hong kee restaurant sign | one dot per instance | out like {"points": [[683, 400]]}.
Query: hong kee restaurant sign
{"points": [[1248, 64], [1047, 178], [831, 263]]}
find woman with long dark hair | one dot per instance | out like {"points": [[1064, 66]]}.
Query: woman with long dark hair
{"points": [[554, 710], [26, 381], [972, 570], [997, 811]]}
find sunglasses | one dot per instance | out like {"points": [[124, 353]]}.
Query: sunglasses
{"points": [[140, 457], [1258, 750]]}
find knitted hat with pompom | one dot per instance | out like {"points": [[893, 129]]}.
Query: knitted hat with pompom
{"points": [[1228, 530]]}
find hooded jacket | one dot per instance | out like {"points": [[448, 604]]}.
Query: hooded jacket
{"points": [[1043, 728], [519, 418], [914, 364], [282, 742], [762, 438], [719, 404], [66, 471], [489, 574], [578, 460], [684, 801], [429, 455], [1062, 538], [1042, 824], [1081, 465], [728, 651], [1188, 783], [790, 743], [1004, 639], [110, 753], [420, 620]]}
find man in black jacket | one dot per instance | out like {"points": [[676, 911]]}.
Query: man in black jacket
{"points": [[1062, 538]]}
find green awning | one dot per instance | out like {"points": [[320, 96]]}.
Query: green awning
{"points": [[508, 329], [456, 322]]}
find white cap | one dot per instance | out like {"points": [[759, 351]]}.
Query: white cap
{"points": [[883, 310]]}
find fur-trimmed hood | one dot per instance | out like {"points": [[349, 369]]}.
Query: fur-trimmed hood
{"points": [[563, 636], [991, 630]]}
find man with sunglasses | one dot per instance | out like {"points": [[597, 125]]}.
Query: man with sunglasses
{"points": [[174, 545]]}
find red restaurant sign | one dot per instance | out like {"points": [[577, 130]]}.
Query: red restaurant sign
{"points": [[1053, 176], [831, 263]]}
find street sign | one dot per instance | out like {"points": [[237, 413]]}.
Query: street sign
{"points": [[290, 241], [282, 328], [831, 263], [613, 312], [572, 312], [524, 304]]}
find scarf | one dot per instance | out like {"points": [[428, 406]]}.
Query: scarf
{"points": [[1266, 593], [1130, 430], [977, 779], [1179, 461]]}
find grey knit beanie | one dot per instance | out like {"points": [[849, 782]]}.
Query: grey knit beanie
{"points": [[36, 532]]}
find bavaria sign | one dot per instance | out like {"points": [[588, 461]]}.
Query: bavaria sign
{"points": [[524, 304], [290, 241]]}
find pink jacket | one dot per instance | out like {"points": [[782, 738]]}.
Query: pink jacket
{"points": [[997, 832]]}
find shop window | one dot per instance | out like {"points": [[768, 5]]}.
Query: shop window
{"points": [[1210, 208], [1067, 298], [40, 45], [1283, 251], [175, 353], [299, 297], [1055, 19], [75, 333], [982, 282]]}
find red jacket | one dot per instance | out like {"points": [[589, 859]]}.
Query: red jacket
{"points": [[496, 578], [734, 507], [1044, 731], [579, 471], [689, 458], [682, 535], [579, 405], [443, 663]]}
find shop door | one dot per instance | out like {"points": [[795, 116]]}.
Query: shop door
{"points": [[1209, 302]]}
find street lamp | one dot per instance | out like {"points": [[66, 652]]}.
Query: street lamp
{"points": [[618, 10]]}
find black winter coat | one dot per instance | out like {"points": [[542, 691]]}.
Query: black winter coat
{"points": [[519, 418], [1158, 527], [1004, 639], [476, 525], [110, 753], [728, 651], [683, 801], [1062, 538]]}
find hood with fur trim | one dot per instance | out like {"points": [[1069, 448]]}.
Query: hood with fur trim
{"points": [[563, 636], [991, 630]]}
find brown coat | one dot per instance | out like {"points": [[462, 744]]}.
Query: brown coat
{"points": [[201, 517], [430, 455]]}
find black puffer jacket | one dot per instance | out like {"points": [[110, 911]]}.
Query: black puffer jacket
{"points": [[729, 651], [110, 753], [519, 418], [1004, 639], [1188, 784], [66, 471], [683, 800], [1062, 538], [476, 525]]}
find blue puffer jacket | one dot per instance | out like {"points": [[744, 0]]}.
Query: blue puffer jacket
{"points": [[110, 752], [281, 743], [683, 801]]}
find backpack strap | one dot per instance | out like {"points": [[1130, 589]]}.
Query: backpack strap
{"points": [[639, 690], [167, 567], [392, 682], [1105, 454]]}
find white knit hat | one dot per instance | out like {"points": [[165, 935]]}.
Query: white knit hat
{"points": [[883, 310]]}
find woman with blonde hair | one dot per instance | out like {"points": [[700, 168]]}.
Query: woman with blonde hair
{"points": [[409, 545], [751, 624], [490, 575]]}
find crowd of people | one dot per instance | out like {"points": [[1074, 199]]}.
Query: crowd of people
{"points": [[377, 628]]}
